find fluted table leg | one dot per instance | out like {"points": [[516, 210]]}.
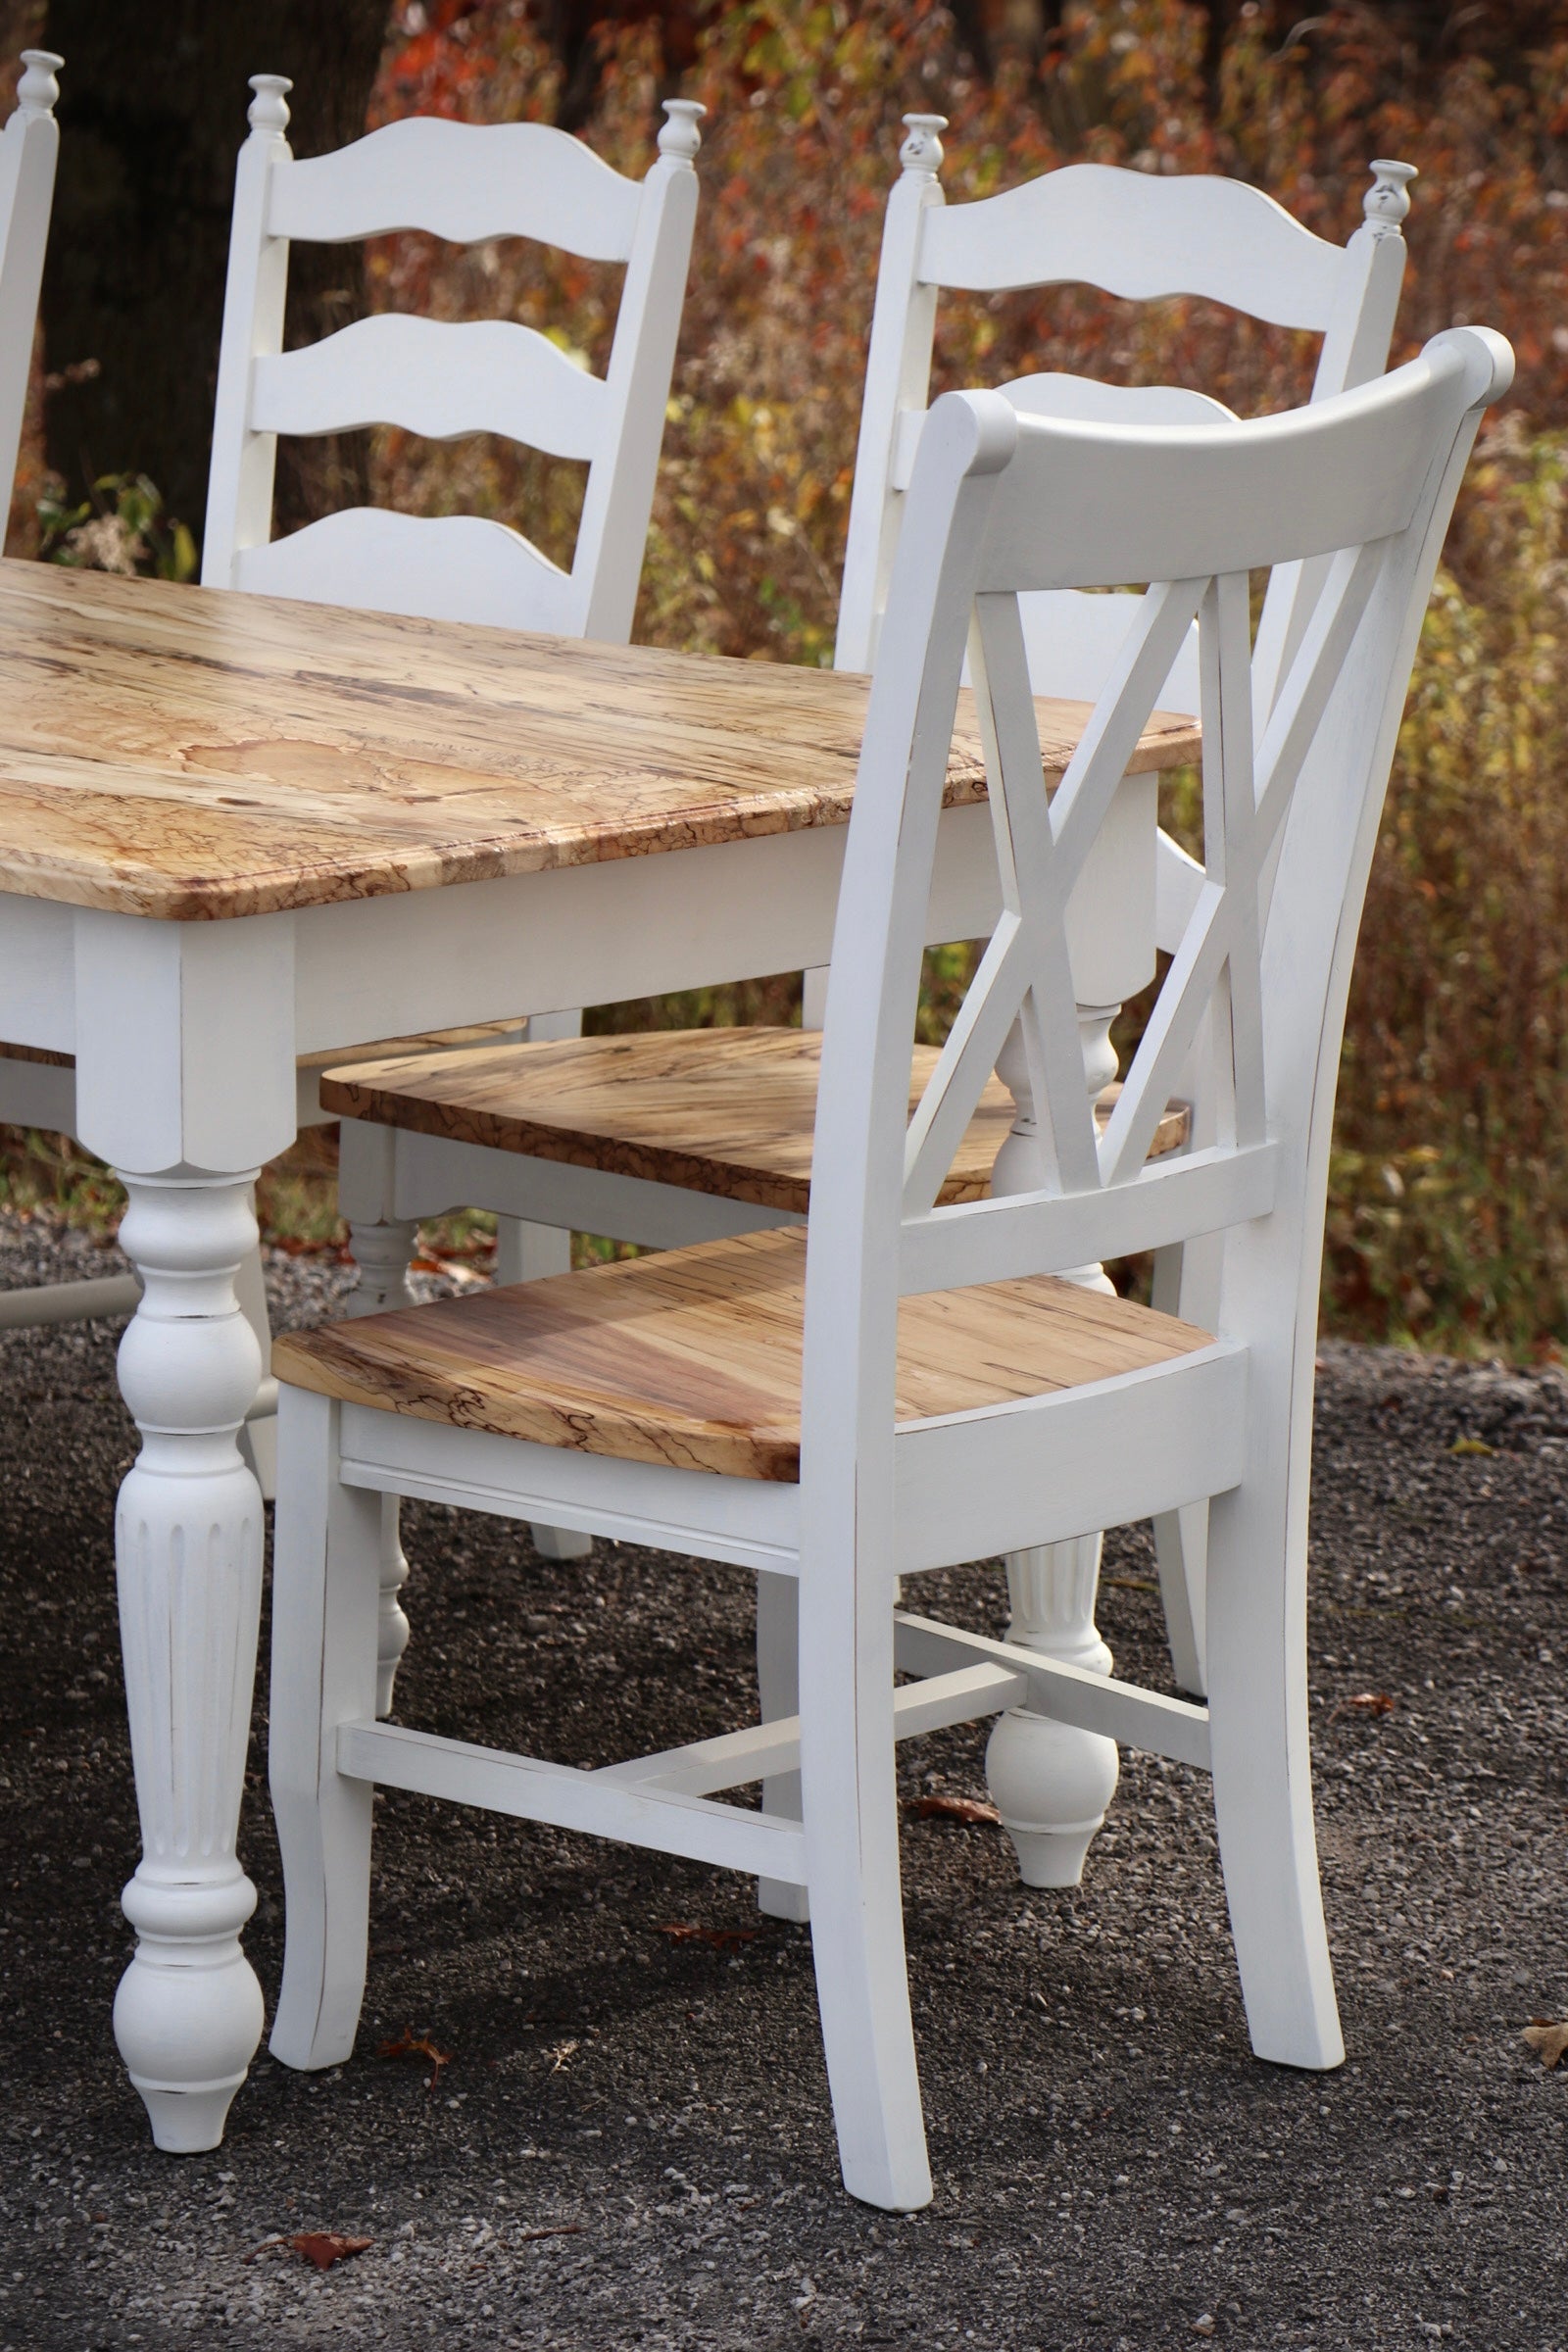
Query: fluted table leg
{"points": [[188, 1538]]}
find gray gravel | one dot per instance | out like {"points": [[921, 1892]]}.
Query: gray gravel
{"points": [[631, 2145]]}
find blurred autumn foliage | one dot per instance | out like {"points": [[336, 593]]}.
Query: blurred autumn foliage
{"points": [[1449, 1213]]}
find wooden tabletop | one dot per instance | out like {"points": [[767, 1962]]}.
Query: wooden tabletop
{"points": [[190, 754]]}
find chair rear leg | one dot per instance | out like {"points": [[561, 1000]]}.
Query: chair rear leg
{"points": [[527, 1252], [1260, 1750], [325, 1593], [850, 1806], [778, 1694]]}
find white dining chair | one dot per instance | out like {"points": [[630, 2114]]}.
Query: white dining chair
{"points": [[468, 183], [38, 1086], [907, 1384], [419, 1138]]}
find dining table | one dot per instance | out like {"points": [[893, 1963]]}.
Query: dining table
{"points": [[236, 832]]}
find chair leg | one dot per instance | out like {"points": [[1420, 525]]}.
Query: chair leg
{"points": [[1260, 1752], [1187, 1283], [383, 1251], [527, 1252], [778, 1693], [326, 1587], [850, 1807]]}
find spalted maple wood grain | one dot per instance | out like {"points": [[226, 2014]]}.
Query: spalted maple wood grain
{"points": [[185, 754], [725, 1112], [693, 1357]]}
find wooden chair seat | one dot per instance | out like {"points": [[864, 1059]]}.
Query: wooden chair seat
{"points": [[693, 1357], [725, 1112]]}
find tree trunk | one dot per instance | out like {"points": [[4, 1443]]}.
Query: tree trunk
{"points": [[152, 114]]}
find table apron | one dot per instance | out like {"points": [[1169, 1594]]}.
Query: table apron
{"points": [[600, 934]]}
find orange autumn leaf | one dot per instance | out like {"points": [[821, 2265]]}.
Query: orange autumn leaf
{"points": [[969, 1809], [410, 2045], [722, 1940], [323, 2248]]}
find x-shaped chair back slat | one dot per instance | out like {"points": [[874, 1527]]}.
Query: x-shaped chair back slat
{"points": [[1361, 486]]}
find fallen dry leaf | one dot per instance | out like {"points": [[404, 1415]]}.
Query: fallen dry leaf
{"points": [[410, 2045], [722, 1940], [971, 1809], [323, 2247], [1368, 1703], [1471, 1446], [1548, 2037]]}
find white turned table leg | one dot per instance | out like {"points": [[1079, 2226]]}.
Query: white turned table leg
{"points": [[188, 1542], [1050, 1781]]}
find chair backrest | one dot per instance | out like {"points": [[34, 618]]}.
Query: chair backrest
{"points": [[1129, 234], [29, 149], [999, 504], [466, 182]]}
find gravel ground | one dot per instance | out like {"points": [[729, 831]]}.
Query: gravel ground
{"points": [[630, 2145]]}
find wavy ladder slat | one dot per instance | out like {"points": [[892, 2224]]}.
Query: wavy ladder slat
{"points": [[434, 376]]}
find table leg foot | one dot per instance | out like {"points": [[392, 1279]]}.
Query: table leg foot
{"points": [[188, 2011]]}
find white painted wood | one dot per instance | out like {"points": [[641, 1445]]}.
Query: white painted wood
{"points": [[29, 148], [1003, 1478], [438, 377], [70, 1302], [1085, 1696], [1258, 981], [1140, 236], [778, 1695], [768, 1748], [659, 1507], [443, 378], [188, 1543], [325, 1588], [463, 182], [531, 1789], [441, 566], [1395, 446]]}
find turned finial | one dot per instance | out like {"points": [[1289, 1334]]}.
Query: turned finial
{"points": [[679, 136], [921, 151], [268, 109], [37, 90], [1387, 200]]}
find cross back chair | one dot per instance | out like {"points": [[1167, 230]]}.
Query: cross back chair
{"points": [[907, 1384], [640, 1138]]}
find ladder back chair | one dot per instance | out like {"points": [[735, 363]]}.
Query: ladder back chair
{"points": [[908, 1383], [468, 183], [37, 1088], [649, 1125]]}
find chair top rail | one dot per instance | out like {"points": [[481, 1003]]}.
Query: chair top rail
{"points": [[1139, 236], [463, 181], [461, 567], [436, 378], [1191, 503]]}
